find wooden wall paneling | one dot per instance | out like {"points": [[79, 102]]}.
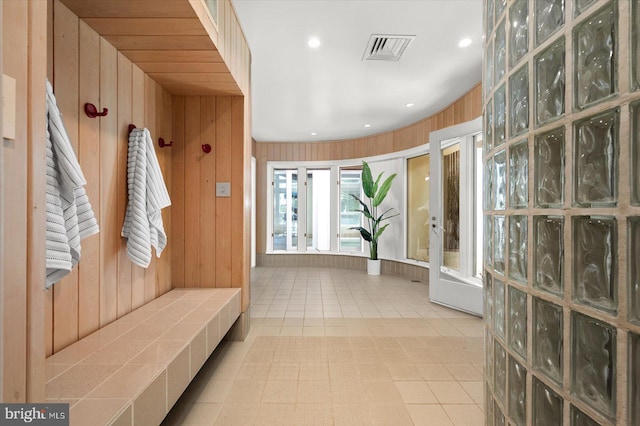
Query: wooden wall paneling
{"points": [[14, 170], [36, 204], [109, 229], [48, 296], [191, 189], [222, 6], [178, 152], [227, 31], [137, 117], [238, 235], [163, 126], [150, 123], [65, 69], [89, 157], [207, 212], [125, 86], [223, 152], [289, 148]]}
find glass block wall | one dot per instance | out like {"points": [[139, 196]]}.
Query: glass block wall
{"points": [[561, 84]]}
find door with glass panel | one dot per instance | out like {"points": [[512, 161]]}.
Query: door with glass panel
{"points": [[455, 217]]}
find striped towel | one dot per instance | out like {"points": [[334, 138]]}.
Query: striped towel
{"points": [[69, 214], [147, 197]]}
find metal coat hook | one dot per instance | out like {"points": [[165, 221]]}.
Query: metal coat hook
{"points": [[206, 148], [92, 111], [132, 127], [163, 144]]}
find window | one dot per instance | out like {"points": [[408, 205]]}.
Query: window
{"points": [[285, 209], [350, 184], [318, 215], [418, 208]]}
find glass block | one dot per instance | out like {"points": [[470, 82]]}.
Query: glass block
{"points": [[593, 363], [578, 418], [519, 175], [518, 321], [499, 243], [549, 18], [635, 44], [547, 339], [594, 262], [594, 48], [635, 153], [500, 117], [518, 244], [547, 405], [519, 101], [488, 403], [548, 258], [488, 298], [582, 5], [489, 10], [517, 392], [498, 308], [548, 185], [488, 70], [633, 242], [500, 180], [550, 83], [488, 127], [518, 31], [500, 371], [488, 240], [488, 184], [499, 53], [500, 6], [634, 379], [488, 349], [498, 415], [596, 152]]}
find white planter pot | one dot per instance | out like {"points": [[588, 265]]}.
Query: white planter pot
{"points": [[373, 267]]}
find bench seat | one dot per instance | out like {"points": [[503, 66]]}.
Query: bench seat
{"points": [[132, 371]]}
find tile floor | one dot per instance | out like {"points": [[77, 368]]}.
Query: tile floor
{"points": [[337, 347]]}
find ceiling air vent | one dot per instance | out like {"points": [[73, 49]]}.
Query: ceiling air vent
{"points": [[386, 47]]}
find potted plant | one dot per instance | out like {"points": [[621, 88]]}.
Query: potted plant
{"points": [[375, 193]]}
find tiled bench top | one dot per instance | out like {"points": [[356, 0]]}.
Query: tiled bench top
{"points": [[133, 370]]}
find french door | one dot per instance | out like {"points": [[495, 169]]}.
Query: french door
{"points": [[455, 217]]}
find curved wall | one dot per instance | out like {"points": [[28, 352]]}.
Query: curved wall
{"points": [[462, 110], [562, 211]]}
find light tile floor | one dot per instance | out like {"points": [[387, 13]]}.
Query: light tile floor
{"points": [[338, 347]]}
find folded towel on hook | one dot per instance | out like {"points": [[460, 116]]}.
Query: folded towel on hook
{"points": [[148, 195], [70, 217]]}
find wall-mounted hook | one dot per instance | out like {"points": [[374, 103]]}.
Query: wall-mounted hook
{"points": [[163, 144], [132, 127], [92, 111], [206, 148]]}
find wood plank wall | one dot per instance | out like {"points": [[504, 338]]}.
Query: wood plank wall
{"points": [[209, 232], [105, 285], [24, 36], [467, 108]]}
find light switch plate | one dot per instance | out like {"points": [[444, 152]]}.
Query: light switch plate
{"points": [[223, 189], [8, 107]]}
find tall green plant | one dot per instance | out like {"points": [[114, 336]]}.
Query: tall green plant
{"points": [[375, 194]]}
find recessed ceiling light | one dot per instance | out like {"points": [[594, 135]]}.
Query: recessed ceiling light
{"points": [[465, 42], [409, 105], [313, 42], [313, 133], [367, 125]]}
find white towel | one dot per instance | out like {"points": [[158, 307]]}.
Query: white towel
{"points": [[69, 214], [148, 195]]}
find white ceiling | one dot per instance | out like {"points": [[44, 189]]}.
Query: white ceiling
{"points": [[330, 90]]}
